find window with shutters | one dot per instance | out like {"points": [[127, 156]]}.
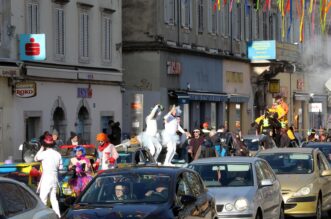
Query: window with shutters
{"points": [[170, 12], [200, 16], [59, 35], [83, 35], [212, 18], [106, 37], [238, 25], [248, 23], [265, 26], [186, 13], [32, 17]]}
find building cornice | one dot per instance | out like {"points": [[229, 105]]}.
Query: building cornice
{"points": [[131, 46]]}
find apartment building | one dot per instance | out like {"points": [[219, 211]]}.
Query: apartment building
{"points": [[77, 87]]}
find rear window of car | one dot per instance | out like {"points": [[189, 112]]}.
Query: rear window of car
{"points": [[224, 174], [289, 163]]}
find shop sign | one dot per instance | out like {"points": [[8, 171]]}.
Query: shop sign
{"points": [[300, 84], [315, 107], [261, 50], [84, 92], [173, 68], [32, 47], [10, 72], [274, 86], [234, 77], [26, 89]]}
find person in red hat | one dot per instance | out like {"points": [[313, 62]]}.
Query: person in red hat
{"points": [[51, 161], [107, 154]]}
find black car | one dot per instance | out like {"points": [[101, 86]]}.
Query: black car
{"points": [[144, 192], [325, 147]]}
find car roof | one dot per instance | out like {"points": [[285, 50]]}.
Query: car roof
{"points": [[226, 159], [305, 144], [287, 150], [145, 169]]}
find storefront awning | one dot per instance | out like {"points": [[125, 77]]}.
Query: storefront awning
{"points": [[204, 96], [235, 98], [301, 96], [182, 96]]}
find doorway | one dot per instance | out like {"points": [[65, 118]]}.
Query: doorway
{"points": [[32, 127], [59, 122], [83, 125]]}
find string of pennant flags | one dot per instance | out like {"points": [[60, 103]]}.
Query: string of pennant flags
{"points": [[285, 7]]}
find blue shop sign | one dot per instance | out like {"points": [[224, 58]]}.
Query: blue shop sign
{"points": [[32, 47], [261, 50]]}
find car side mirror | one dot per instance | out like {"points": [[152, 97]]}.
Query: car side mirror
{"points": [[266, 182], [326, 173], [187, 199], [69, 201]]}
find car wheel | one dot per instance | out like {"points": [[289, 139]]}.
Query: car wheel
{"points": [[281, 213], [319, 209]]}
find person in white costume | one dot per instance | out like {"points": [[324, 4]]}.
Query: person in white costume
{"points": [[169, 135], [150, 138], [51, 161]]}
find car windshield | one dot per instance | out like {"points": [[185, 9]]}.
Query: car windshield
{"points": [[325, 148], [289, 163], [252, 144], [225, 174], [127, 188]]}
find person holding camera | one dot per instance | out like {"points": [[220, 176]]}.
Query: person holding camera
{"points": [[51, 161]]}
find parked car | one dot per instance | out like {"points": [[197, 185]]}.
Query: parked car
{"points": [[305, 177], [18, 201], [325, 147], [252, 143], [243, 187], [144, 192]]}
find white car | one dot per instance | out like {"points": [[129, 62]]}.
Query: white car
{"points": [[17, 201], [243, 187]]}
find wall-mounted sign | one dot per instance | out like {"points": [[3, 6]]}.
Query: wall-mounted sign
{"points": [[300, 84], [10, 72], [234, 77], [274, 86], [26, 89], [32, 47], [315, 107], [261, 50], [173, 68], [84, 92]]}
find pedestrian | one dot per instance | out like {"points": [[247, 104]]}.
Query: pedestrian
{"points": [[115, 133], [57, 141], [107, 154], [51, 161], [195, 147], [149, 138], [169, 135], [81, 167], [74, 139]]}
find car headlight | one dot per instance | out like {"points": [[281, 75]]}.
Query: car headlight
{"points": [[228, 207], [241, 204], [306, 190]]}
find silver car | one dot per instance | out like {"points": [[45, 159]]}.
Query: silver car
{"points": [[17, 201], [243, 187]]}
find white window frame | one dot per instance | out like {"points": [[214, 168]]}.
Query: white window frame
{"points": [[59, 32], [200, 13], [186, 14], [83, 34], [106, 38], [32, 17], [170, 14], [213, 17]]}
